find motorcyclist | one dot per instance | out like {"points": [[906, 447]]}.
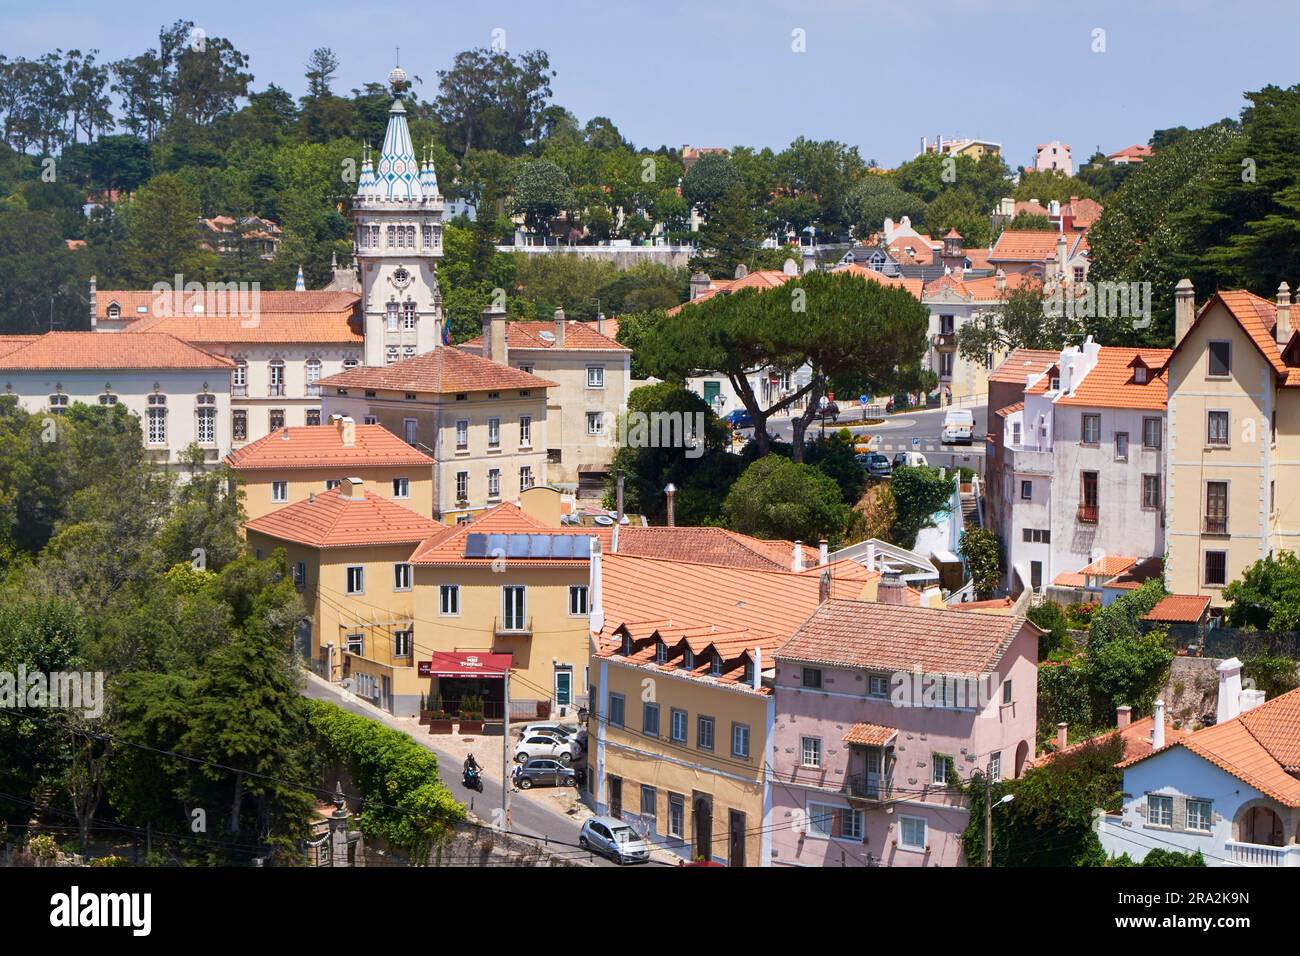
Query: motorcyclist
{"points": [[471, 766]]}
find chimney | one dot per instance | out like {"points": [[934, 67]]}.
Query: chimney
{"points": [[824, 587], [352, 488], [891, 589], [871, 555], [347, 428], [1158, 727], [94, 319], [1229, 690], [494, 335], [742, 270], [699, 285], [618, 497], [1184, 309], [796, 562], [809, 260], [1000, 281], [1283, 334], [596, 603], [758, 668], [1060, 258], [1062, 735], [790, 268], [823, 553], [671, 491], [600, 323], [1123, 716], [559, 328]]}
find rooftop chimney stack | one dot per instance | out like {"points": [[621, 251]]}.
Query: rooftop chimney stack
{"points": [[1184, 309], [758, 668], [1229, 691], [618, 496], [560, 322], [671, 491], [891, 589], [347, 431], [494, 334], [1062, 735], [353, 488], [600, 323], [94, 319], [699, 285], [824, 587], [823, 552], [796, 562], [1158, 728], [1283, 334], [1123, 716]]}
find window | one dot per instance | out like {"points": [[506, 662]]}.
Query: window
{"points": [[1160, 811], [1037, 535], [356, 579], [677, 725], [1216, 568], [462, 435], [911, 833], [332, 483], [704, 733], [650, 720], [279, 491], [1150, 433], [391, 354], [525, 431], [810, 751], [114, 311], [494, 483], [391, 316], [239, 377], [525, 477], [462, 486], [449, 600], [740, 741], [1220, 359], [1216, 431], [1151, 491], [940, 769], [812, 677], [108, 398], [995, 766], [1140, 374], [595, 376], [300, 575], [370, 420], [276, 368], [313, 416], [408, 315], [649, 803], [494, 433], [1015, 434], [821, 820], [577, 600], [676, 816], [401, 487], [1091, 430], [313, 376], [1121, 446], [616, 706], [878, 685], [1216, 507], [157, 415], [401, 577], [276, 419], [513, 598], [356, 644], [595, 423], [1006, 692], [239, 425], [1199, 815], [1272, 497], [403, 642], [1026, 491]]}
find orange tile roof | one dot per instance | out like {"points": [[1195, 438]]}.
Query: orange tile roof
{"points": [[101, 350], [9, 343], [1029, 245], [761, 279], [869, 735], [1179, 609], [1024, 362], [911, 252], [1010, 409], [1070, 579], [445, 548], [1138, 574], [137, 304], [1084, 212], [1108, 566], [331, 327], [898, 637], [1137, 151], [441, 371], [1136, 737], [914, 286], [330, 520], [707, 545], [982, 289], [1111, 382], [577, 335], [1001, 605], [321, 446]]}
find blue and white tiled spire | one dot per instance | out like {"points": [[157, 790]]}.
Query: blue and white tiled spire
{"points": [[398, 176]]}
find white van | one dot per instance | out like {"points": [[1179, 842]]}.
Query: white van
{"points": [[910, 459], [958, 426]]}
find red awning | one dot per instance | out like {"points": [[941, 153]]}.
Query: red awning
{"points": [[465, 664]]}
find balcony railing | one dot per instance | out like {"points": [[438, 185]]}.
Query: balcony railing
{"points": [[275, 391], [239, 391], [1214, 524], [1087, 514], [512, 628], [867, 786], [1258, 854], [313, 389], [944, 341]]}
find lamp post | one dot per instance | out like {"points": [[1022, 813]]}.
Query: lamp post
{"points": [[988, 814]]}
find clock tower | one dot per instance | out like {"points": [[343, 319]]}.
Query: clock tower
{"points": [[397, 219]]}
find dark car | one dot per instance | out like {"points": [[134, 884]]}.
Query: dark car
{"points": [[543, 772], [874, 464], [738, 419], [831, 411]]}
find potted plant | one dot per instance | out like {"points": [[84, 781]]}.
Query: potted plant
{"points": [[471, 715], [543, 710], [439, 720], [426, 709]]}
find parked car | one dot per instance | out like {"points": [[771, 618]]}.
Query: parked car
{"points": [[543, 771], [613, 838], [543, 745], [874, 464], [958, 426], [548, 726], [909, 459], [738, 418]]}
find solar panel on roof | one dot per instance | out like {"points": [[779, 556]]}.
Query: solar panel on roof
{"points": [[476, 546], [562, 546], [582, 546], [517, 546], [539, 545]]}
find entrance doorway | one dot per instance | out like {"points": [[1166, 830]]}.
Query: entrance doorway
{"points": [[736, 841], [703, 828], [616, 798]]}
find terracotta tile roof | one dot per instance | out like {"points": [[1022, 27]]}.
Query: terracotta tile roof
{"points": [[1010, 409], [103, 350], [1111, 383], [1179, 609], [1070, 579], [1258, 317], [1138, 574], [1029, 245], [9, 343], [330, 520], [332, 327], [760, 279], [897, 637], [1136, 152], [981, 289], [914, 286], [1084, 212], [1136, 737], [506, 518], [577, 335], [869, 735], [1108, 566], [136, 304], [1276, 725], [321, 446], [1001, 605], [715, 546], [1024, 362], [911, 252], [441, 371]]}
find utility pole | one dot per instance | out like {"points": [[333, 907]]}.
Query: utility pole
{"points": [[988, 814], [505, 753]]}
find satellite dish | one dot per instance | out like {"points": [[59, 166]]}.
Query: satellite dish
{"points": [[603, 520]]}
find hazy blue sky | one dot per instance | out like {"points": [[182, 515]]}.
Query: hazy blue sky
{"points": [[877, 75]]}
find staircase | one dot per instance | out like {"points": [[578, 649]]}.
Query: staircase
{"points": [[970, 509]]}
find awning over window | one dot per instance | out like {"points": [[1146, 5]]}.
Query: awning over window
{"points": [[465, 664]]}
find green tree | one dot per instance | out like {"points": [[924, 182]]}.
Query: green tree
{"points": [[541, 192], [711, 178], [919, 493], [777, 498], [491, 100], [162, 234], [876, 197], [1024, 319], [983, 555], [1267, 595], [1274, 674], [1050, 185]]}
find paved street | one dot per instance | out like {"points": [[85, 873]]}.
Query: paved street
{"points": [[907, 431]]}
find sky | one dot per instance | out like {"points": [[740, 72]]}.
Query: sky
{"points": [[875, 75]]}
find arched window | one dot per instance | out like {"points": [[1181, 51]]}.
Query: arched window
{"points": [[350, 363], [410, 237], [392, 242], [108, 398]]}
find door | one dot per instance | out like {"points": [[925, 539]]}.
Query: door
{"points": [[711, 390], [409, 427], [563, 687], [512, 617], [616, 798], [386, 692], [873, 772], [1036, 575], [736, 842], [703, 849]]}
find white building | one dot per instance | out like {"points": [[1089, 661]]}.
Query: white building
{"points": [[1084, 468], [1230, 791], [1053, 157], [180, 393]]}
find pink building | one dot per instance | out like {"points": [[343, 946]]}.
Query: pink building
{"points": [[878, 705]]}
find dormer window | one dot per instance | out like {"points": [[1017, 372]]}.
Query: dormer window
{"points": [[114, 311], [716, 667], [688, 660], [1140, 374], [661, 653], [1056, 384], [749, 672], [627, 645]]}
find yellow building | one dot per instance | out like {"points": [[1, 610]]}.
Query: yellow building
{"points": [[292, 463], [680, 735], [1234, 438], [349, 550]]}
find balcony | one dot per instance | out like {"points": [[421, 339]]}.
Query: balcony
{"points": [[512, 627], [867, 786], [944, 341], [313, 389], [275, 391], [1258, 854], [239, 391], [1087, 514], [1214, 524]]}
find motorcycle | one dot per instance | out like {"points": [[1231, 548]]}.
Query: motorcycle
{"points": [[473, 778]]}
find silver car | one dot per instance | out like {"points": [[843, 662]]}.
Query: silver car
{"points": [[613, 838]]}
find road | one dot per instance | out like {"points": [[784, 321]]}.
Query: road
{"points": [[527, 813], [907, 431]]}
